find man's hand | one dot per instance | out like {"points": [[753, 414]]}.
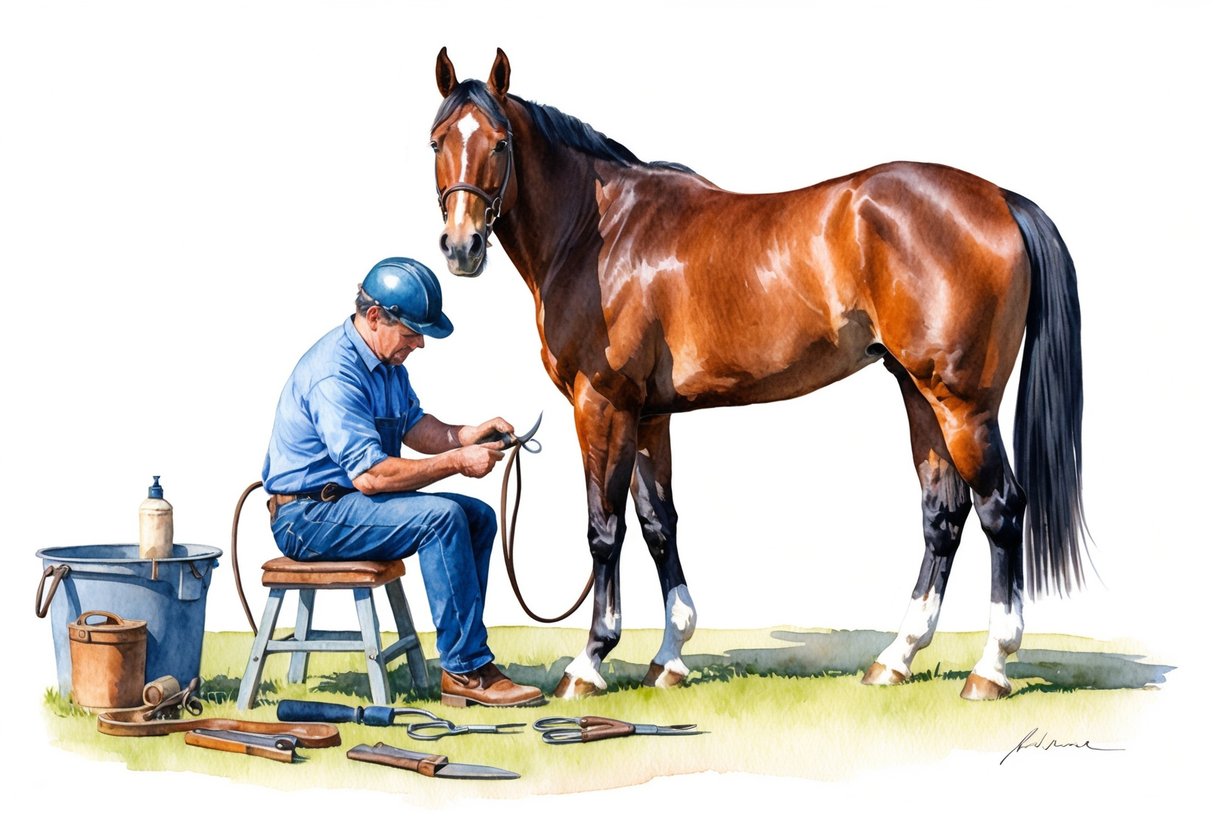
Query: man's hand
{"points": [[478, 460], [471, 434], [445, 457]]}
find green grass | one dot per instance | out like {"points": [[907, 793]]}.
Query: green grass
{"points": [[777, 702]]}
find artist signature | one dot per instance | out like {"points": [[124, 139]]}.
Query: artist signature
{"points": [[1043, 742]]}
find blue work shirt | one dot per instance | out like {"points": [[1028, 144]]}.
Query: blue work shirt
{"points": [[341, 412]]}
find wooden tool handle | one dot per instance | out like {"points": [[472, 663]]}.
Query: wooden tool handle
{"points": [[237, 747], [157, 690], [426, 764], [604, 728]]}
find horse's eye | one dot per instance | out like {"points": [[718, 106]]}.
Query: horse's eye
{"points": [[501, 147], [434, 146]]}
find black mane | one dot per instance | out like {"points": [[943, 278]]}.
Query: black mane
{"points": [[554, 126], [559, 128]]}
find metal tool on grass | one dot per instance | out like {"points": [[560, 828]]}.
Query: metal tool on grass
{"points": [[169, 704], [298, 710], [433, 727], [562, 730], [440, 728], [280, 747], [429, 765]]}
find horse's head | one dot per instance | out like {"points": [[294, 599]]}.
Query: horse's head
{"points": [[474, 161]]}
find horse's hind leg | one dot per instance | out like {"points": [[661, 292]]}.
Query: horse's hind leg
{"points": [[658, 519], [945, 506], [970, 429], [1000, 506]]}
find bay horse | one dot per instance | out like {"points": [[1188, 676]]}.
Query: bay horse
{"points": [[657, 292]]}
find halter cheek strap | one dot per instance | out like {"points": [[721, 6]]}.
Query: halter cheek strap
{"points": [[492, 202]]}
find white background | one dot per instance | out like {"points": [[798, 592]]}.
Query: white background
{"points": [[191, 193]]}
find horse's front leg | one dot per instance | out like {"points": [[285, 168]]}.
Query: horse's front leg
{"points": [[658, 522], [608, 450]]}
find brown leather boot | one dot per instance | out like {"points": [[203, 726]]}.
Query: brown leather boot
{"points": [[486, 685]]}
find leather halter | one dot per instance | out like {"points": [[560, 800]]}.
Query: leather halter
{"points": [[492, 203]]}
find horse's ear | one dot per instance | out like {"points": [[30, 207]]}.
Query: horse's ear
{"points": [[499, 77], [445, 72]]}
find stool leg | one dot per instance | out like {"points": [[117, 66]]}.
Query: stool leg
{"points": [[297, 672], [407, 632], [256, 660], [376, 669]]}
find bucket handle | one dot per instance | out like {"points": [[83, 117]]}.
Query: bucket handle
{"points": [[110, 618], [59, 572]]}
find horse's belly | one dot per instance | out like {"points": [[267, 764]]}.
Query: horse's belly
{"points": [[771, 371]]}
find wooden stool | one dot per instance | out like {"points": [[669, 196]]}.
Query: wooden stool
{"points": [[361, 576]]}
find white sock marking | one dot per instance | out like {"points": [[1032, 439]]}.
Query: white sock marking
{"points": [[1006, 634], [679, 627], [586, 669], [917, 630]]}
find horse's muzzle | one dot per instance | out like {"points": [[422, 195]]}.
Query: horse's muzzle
{"points": [[465, 257]]}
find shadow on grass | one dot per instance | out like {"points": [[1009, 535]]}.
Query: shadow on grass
{"points": [[838, 653], [1062, 671], [847, 653]]}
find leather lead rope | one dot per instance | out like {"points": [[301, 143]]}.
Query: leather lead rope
{"points": [[507, 545], [507, 540], [235, 560]]}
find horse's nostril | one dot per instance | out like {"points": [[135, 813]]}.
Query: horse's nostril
{"points": [[444, 245], [477, 245]]}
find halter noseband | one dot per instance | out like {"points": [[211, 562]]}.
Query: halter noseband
{"points": [[492, 203]]}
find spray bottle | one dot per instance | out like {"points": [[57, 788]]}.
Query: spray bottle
{"points": [[155, 523]]}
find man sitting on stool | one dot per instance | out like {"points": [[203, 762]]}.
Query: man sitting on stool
{"points": [[339, 489]]}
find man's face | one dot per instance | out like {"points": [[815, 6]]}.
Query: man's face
{"points": [[393, 342]]}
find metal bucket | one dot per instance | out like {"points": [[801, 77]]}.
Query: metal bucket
{"points": [[115, 578]]}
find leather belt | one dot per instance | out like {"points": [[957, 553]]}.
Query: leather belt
{"points": [[330, 493]]}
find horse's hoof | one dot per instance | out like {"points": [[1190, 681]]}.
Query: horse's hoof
{"points": [[662, 677], [980, 689], [570, 688], [878, 674]]}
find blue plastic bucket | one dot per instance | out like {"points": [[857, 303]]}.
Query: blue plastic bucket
{"points": [[115, 579]]}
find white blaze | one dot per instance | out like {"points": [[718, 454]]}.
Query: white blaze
{"points": [[467, 126]]}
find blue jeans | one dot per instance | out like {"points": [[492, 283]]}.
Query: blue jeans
{"points": [[452, 535]]}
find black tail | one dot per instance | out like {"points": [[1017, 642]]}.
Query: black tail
{"points": [[1048, 417]]}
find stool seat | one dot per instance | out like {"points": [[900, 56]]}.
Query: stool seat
{"points": [[330, 574]]}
